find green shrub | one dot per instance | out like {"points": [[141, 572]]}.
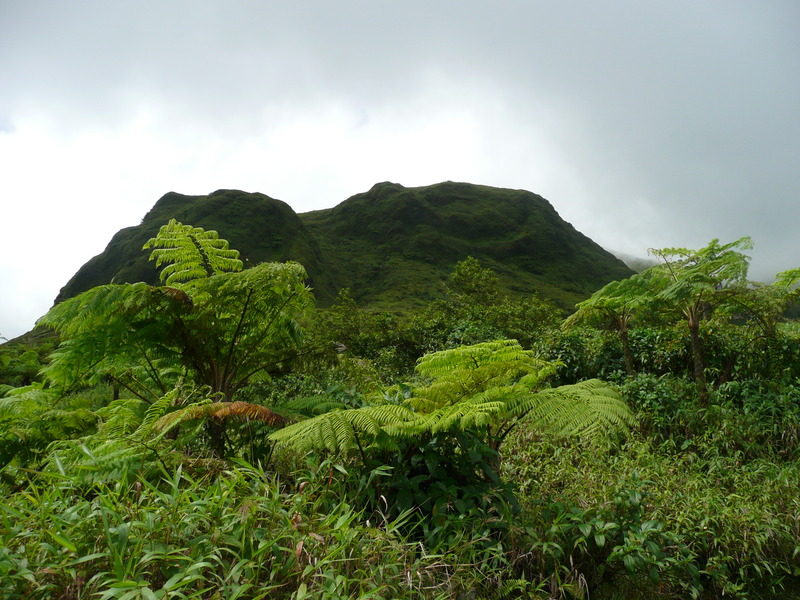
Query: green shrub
{"points": [[721, 525]]}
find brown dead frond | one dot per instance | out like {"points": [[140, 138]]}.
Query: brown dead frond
{"points": [[247, 410], [178, 295], [221, 411]]}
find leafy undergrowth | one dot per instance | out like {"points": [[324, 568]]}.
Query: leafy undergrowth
{"points": [[644, 521], [651, 520], [698, 503], [236, 533]]}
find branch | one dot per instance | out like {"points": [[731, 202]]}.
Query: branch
{"points": [[152, 370], [130, 389], [236, 333], [256, 343]]}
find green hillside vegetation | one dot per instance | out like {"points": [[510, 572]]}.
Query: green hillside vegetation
{"points": [[393, 247], [393, 244], [261, 228], [211, 435]]}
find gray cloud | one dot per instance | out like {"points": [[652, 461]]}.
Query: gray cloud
{"points": [[645, 124]]}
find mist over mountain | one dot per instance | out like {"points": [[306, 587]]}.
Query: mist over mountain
{"points": [[637, 263], [393, 246]]}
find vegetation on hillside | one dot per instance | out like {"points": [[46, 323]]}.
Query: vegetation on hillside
{"points": [[261, 228], [393, 247], [392, 243], [215, 436]]}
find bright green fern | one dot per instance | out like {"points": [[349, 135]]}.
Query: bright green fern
{"points": [[486, 389], [191, 253]]}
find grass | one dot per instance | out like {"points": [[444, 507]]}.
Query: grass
{"points": [[237, 533]]}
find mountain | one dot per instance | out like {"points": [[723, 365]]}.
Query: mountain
{"points": [[261, 228], [392, 246]]}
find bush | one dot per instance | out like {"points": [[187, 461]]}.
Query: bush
{"points": [[681, 512]]}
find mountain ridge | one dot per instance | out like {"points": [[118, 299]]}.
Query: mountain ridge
{"points": [[393, 246]]}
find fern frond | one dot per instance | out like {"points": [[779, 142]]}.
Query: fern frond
{"points": [[157, 410], [459, 373], [19, 402], [588, 409], [92, 308], [247, 410], [168, 421], [342, 430], [120, 417], [65, 422], [91, 460], [461, 416], [218, 410], [191, 253], [313, 405]]}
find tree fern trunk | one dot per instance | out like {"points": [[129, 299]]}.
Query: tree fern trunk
{"points": [[626, 351], [216, 436], [698, 360]]}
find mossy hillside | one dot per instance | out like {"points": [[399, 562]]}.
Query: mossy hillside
{"points": [[261, 228], [394, 247], [394, 244]]}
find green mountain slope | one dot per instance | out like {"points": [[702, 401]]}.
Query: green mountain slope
{"points": [[392, 246], [261, 228]]}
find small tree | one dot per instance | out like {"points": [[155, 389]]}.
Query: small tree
{"points": [[695, 283], [210, 323], [476, 309], [763, 309], [616, 304], [473, 283]]}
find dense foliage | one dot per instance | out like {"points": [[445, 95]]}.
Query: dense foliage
{"points": [[216, 437]]}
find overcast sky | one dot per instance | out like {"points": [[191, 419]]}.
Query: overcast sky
{"points": [[645, 124]]}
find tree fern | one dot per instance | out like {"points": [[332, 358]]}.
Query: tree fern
{"points": [[191, 253], [485, 389], [212, 326], [617, 304], [224, 331], [343, 430]]}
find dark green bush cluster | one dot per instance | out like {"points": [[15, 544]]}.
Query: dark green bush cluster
{"points": [[655, 519], [473, 311]]}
